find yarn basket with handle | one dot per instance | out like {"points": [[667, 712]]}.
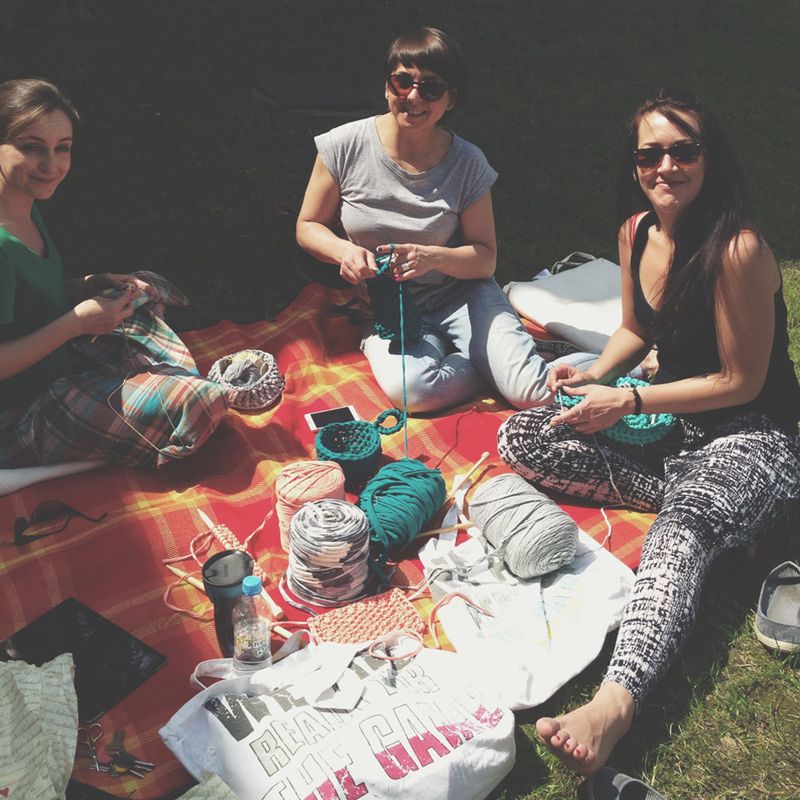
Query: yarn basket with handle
{"points": [[356, 445], [527, 528], [639, 429], [398, 502], [303, 482]]}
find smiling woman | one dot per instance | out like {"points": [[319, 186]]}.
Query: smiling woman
{"points": [[700, 282], [401, 184], [88, 369]]}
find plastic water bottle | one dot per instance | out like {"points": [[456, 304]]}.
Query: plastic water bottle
{"points": [[251, 618]]}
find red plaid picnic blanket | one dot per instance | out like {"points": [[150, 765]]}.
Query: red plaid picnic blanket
{"points": [[115, 566]]}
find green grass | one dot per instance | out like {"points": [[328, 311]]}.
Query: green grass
{"points": [[180, 165]]}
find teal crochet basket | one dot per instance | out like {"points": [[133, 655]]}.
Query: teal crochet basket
{"points": [[356, 446], [639, 429]]}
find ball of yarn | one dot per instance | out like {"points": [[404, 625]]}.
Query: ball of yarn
{"points": [[638, 429], [398, 502], [301, 483], [250, 379], [531, 532], [329, 553]]}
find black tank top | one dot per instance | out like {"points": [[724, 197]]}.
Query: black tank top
{"points": [[693, 351]]}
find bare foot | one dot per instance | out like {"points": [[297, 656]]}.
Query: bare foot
{"points": [[584, 738]]}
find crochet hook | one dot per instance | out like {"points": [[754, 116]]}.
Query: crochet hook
{"points": [[475, 466]]}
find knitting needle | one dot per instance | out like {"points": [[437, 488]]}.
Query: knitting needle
{"points": [[458, 527], [475, 466], [274, 608], [198, 584]]}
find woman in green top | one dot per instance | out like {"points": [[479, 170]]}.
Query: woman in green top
{"points": [[68, 391]]}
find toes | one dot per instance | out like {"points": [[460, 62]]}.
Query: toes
{"points": [[547, 728], [569, 746]]}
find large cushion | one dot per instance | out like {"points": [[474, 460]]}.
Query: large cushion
{"points": [[581, 305]]}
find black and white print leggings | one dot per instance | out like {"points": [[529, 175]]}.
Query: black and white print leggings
{"points": [[712, 490]]}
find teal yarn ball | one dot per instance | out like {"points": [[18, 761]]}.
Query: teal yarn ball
{"points": [[398, 502], [638, 429]]}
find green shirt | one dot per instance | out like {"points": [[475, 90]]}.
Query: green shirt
{"points": [[32, 294]]}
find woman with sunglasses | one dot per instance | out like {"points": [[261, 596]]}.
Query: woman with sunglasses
{"points": [[700, 282], [68, 391], [400, 183]]}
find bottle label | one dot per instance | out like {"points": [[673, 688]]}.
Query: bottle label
{"points": [[251, 643]]}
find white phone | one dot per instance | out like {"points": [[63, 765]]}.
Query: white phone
{"points": [[318, 419]]}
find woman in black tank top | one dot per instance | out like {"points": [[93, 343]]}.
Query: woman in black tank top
{"points": [[700, 283]]}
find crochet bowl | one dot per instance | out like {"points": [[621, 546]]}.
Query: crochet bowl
{"points": [[637, 429], [356, 445], [250, 379]]}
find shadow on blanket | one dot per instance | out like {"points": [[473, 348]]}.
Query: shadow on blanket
{"points": [[115, 566]]}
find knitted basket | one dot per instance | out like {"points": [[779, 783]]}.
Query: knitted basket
{"points": [[250, 379], [356, 445], [639, 429]]}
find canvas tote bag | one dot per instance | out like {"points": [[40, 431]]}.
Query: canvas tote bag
{"points": [[330, 721]]}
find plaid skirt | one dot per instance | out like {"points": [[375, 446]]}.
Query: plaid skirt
{"points": [[140, 400]]}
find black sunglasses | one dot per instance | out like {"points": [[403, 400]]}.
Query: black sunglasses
{"points": [[680, 153], [430, 89], [47, 512]]}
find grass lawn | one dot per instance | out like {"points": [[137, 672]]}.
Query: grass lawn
{"points": [[182, 163]]}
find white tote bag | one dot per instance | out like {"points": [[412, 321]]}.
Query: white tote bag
{"points": [[307, 727]]}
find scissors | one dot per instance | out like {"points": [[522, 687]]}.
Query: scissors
{"points": [[89, 736]]}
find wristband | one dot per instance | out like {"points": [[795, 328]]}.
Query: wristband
{"points": [[637, 400]]}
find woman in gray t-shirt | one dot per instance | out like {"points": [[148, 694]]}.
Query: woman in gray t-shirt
{"points": [[401, 178]]}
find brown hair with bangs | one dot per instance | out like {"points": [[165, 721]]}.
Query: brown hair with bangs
{"points": [[25, 101], [430, 49]]}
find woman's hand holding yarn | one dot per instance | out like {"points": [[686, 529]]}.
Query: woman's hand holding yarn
{"points": [[95, 284], [357, 264], [99, 315], [567, 375], [600, 408], [409, 260]]}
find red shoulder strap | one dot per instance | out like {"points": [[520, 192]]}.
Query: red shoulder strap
{"points": [[633, 224]]}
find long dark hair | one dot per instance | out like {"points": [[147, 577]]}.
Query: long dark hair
{"points": [[26, 100], [704, 232]]}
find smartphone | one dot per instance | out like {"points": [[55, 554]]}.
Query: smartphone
{"points": [[319, 419], [109, 662]]}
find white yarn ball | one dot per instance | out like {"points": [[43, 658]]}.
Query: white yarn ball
{"points": [[531, 532]]}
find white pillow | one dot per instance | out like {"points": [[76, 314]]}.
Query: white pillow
{"points": [[581, 305]]}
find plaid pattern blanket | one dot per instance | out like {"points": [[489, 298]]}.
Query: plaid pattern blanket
{"points": [[115, 566]]}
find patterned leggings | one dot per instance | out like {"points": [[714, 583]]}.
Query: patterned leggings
{"points": [[712, 491]]}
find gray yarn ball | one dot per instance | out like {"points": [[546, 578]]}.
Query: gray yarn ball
{"points": [[531, 532]]}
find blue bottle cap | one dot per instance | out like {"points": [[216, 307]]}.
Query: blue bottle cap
{"points": [[251, 585]]}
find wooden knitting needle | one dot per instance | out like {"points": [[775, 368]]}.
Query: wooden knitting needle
{"points": [[198, 584], [458, 527], [475, 466], [274, 608]]}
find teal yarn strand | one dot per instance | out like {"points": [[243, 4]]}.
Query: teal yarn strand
{"points": [[398, 502], [638, 429]]}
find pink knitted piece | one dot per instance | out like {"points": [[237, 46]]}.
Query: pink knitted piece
{"points": [[367, 619]]}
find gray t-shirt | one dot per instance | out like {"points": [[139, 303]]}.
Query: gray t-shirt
{"points": [[382, 203]]}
